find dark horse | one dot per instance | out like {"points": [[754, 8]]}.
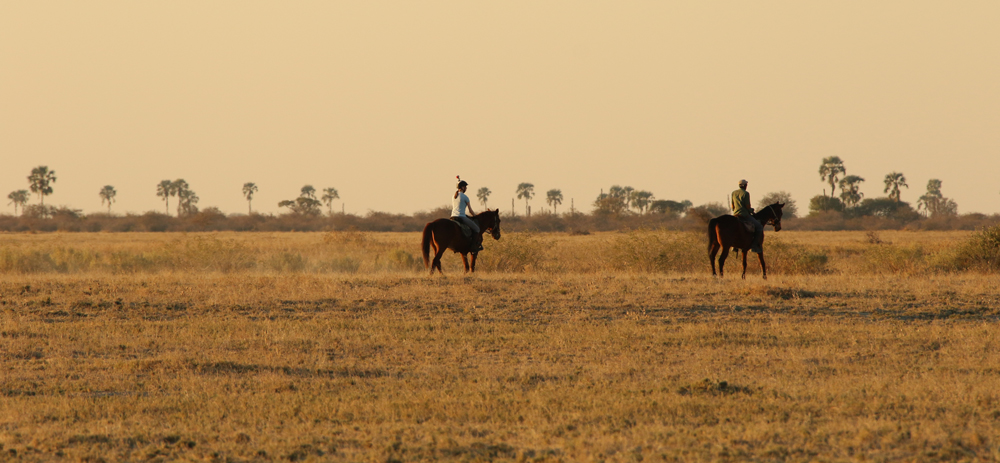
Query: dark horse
{"points": [[445, 234], [728, 232]]}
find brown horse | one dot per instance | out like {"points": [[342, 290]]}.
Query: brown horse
{"points": [[728, 232], [445, 234]]}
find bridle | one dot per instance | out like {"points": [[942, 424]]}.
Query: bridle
{"points": [[494, 231], [774, 220]]}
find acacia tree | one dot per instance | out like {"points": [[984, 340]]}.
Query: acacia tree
{"points": [[41, 180], [249, 188], [554, 197], [526, 191], [893, 182], [18, 198], [849, 190], [788, 211], [484, 195], [165, 189], [831, 168], [107, 195], [305, 204], [330, 194]]}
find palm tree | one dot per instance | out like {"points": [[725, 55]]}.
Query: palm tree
{"points": [[627, 193], [554, 197], [249, 188], [931, 201], [830, 169], [164, 190], [308, 192], [107, 195], [186, 199], [526, 191], [893, 181], [329, 194], [41, 179], [484, 195], [18, 198], [641, 199], [849, 193], [179, 188]]}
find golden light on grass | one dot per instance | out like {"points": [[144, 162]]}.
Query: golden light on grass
{"points": [[339, 347]]}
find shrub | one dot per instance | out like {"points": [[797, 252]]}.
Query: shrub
{"points": [[515, 252], [658, 251], [981, 252]]}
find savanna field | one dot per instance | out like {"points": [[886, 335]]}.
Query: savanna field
{"points": [[604, 347]]}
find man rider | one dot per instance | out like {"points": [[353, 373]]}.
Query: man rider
{"points": [[740, 203], [459, 204]]}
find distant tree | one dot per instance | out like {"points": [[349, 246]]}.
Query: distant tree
{"points": [[893, 182], [41, 180], [934, 203], [886, 208], [831, 168], [849, 190], [612, 202], [626, 193], [554, 197], [107, 195], [526, 191], [789, 211], [820, 203], [187, 200], [640, 200], [18, 198], [165, 189], [180, 189], [484, 195], [305, 204], [249, 188], [666, 206], [330, 194]]}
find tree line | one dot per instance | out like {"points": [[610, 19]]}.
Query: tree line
{"points": [[852, 202]]}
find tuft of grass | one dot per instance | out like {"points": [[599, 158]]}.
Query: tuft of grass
{"points": [[514, 252], [981, 252]]}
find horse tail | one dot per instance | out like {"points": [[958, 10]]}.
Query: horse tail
{"points": [[712, 237], [425, 245]]}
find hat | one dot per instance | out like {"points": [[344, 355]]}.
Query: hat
{"points": [[743, 182], [461, 182]]}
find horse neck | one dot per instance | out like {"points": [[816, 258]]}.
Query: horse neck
{"points": [[764, 214]]}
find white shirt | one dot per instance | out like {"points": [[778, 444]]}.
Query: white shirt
{"points": [[458, 205]]}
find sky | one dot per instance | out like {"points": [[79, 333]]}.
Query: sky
{"points": [[388, 101]]}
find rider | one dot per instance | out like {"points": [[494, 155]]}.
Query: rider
{"points": [[740, 203], [459, 204]]}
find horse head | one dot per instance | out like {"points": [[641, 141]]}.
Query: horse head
{"points": [[490, 221], [775, 219]]}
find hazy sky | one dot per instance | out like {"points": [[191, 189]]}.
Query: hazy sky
{"points": [[388, 101]]}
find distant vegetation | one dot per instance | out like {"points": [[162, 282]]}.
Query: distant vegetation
{"points": [[620, 208]]}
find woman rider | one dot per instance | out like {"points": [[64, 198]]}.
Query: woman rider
{"points": [[459, 204]]}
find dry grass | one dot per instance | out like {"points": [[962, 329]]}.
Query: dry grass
{"points": [[302, 347]]}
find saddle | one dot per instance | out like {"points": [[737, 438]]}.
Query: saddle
{"points": [[466, 231], [747, 224]]}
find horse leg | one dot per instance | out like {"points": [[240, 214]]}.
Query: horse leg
{"points": [[712, 251], [722, 259], [437, 259], [744, 264], [474, 255], [465, 260], [763, 266]]}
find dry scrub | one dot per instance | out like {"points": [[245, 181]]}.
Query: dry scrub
{"points": [[317, 347]]}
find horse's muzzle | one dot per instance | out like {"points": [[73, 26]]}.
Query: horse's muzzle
{"points": [[495, 234]]}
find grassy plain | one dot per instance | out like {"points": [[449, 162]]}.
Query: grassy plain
{"points": [[604, 347]]}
